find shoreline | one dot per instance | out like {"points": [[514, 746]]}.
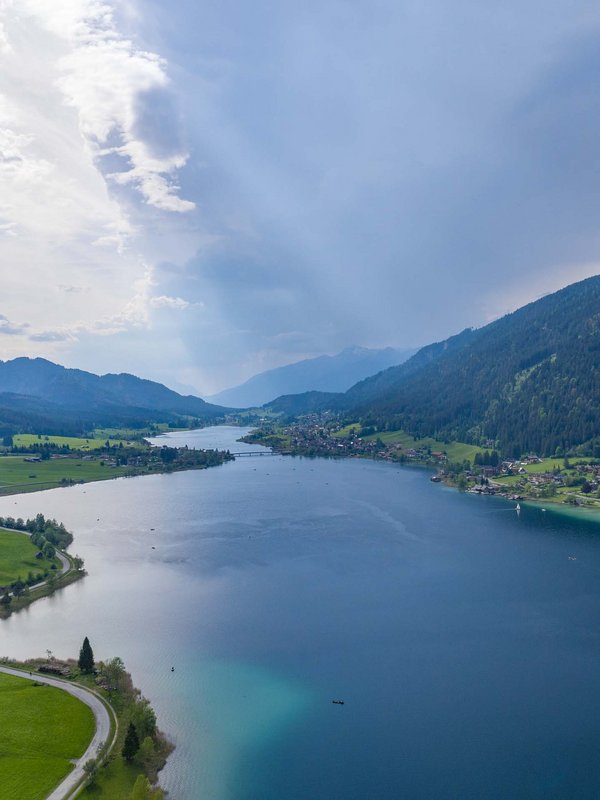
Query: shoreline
{"points": [[454, 474], [425, 469], [46, 486], [546, 502], [113, 704], [93, 769], [70, 573], [34, 470]]}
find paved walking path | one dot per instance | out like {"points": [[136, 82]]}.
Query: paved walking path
{"points": [[102, 717]]}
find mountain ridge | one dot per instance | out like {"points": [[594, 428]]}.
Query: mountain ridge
{"points": [[323, 373], [39, 390]]}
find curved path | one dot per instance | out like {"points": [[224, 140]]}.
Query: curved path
{"points": [[66, 564], [64, 561], [101, 715]]}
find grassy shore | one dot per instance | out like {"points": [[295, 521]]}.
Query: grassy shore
{"points": [[115, 781], [18, 475], [18, 562], [116, 777], [46, 589], [112, 777], [48, 467], [41, 730], [17, 557]]}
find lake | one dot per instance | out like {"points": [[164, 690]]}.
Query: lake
{"points": [[462, 637]]}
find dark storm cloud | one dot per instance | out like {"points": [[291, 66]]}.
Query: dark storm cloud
{"points": [[383, 173]]}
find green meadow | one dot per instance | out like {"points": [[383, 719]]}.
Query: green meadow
{"points": [[41, 730], [18, 475], [74, 442], [114, 782], [134, 434], [354, 427], [546, 465], [17, 557], [456, 451]]}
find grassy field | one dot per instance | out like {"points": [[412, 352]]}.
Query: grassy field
{"points": [[456, 451], [18, 475], [114, 782], [134, 433], [74, 442], [17, 557], [354, 427], [546, 465], [41, 730]]}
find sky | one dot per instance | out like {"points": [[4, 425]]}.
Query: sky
{"points": [[197, 191]]}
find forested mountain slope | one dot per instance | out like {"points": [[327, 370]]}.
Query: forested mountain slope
{"points": [[36, 392], [530, 380]]}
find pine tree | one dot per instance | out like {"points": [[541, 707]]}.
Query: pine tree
{"points": [[131, 744], [86, 657]]}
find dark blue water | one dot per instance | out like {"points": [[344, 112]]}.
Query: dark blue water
{"points": [[462, 638]]}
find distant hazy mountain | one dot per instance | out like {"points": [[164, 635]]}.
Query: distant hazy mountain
{"points": [[40, 390], [323, 374]]}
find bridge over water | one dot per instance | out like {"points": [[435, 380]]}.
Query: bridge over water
{"points": [[250, 453]]}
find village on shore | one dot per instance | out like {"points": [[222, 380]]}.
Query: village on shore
{"points": [[570, 478]]}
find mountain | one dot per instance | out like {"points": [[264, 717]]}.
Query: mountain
{"points": [[323, 374], [529, 381], [37, 393]]}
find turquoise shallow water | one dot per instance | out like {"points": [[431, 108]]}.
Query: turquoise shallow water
{"points": [[462, 637]]}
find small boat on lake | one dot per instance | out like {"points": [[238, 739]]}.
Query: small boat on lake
{"points": [[338, 702], [518, 508]]}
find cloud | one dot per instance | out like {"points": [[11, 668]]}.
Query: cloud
{"points": [[86, 172], [106, 79], [312, 175], [163, 301], [53, 336], [70, 289], [11, 329]]}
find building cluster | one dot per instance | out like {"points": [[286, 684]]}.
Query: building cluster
{"points": [[315, 434], [312, 435]]}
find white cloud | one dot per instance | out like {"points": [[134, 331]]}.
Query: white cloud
{"points": [[102, 76], [169, 302], [75, 159], [133, 314]]}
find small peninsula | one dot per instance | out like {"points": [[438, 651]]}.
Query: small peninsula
{"points": [[104, 739], [33, 561], [36, 462]]}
